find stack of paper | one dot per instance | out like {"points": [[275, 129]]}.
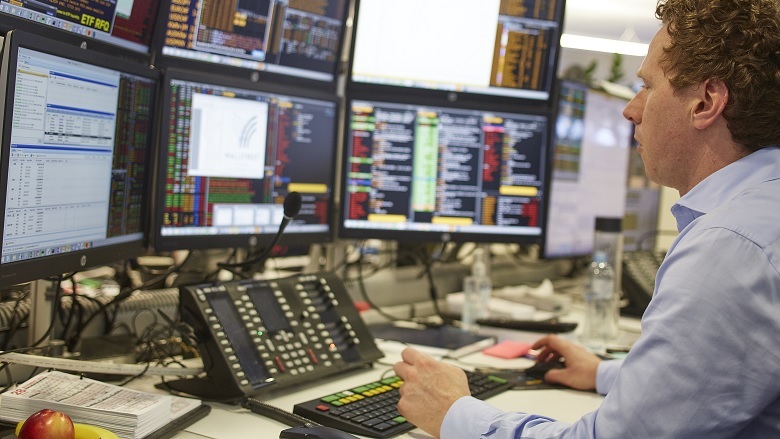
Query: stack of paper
{"points": [[130, 414]]}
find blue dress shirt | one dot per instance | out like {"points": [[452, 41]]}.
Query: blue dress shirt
{"points": [[707, 364]]}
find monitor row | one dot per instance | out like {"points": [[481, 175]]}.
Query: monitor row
{"points": [[103, 158], [460, 49]]}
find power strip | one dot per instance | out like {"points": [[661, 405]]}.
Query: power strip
{"points": [[95, 366]]}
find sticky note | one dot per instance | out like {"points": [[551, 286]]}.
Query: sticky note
{"points": [[508, 349]]}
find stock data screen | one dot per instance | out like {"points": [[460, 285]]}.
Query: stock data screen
{"points": [[413, 168], [232, 155], [300, 38], [77, 160], [128, 24]]}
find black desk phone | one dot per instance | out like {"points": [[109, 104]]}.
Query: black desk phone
{"points": [[258, 335], [638, 279]]}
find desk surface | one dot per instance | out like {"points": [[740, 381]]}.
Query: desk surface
{"points": [[227, 421]]}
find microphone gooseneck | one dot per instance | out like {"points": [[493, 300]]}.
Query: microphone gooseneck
{"points": [[292, 206]]}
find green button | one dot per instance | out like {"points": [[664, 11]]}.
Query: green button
{"points": [[330, 398], [497, 379], [390, 380], [399, 419]]}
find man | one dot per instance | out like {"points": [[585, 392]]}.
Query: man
{"points": [[707, 364]]}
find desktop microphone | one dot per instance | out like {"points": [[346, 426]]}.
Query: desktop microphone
{"points": [[291, 207]]}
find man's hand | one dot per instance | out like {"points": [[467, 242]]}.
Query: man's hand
{"points": [[430, 388], [581, 365]]}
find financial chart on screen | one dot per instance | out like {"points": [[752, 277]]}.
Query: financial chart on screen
{"points": [[229, 157], [441, 173], [298, 38]]}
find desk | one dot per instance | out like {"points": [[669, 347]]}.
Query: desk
{"points": [[230, 422]]}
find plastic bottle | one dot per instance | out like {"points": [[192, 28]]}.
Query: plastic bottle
{"points": [[608, 238], [477, 290], [600, 305]]}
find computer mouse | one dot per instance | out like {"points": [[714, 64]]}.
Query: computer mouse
{"points": [[539, 369], [314, 432]]}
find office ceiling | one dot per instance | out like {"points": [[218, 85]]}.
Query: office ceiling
{"points": [[629, 20]]}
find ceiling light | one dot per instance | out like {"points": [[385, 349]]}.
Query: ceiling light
{"points": [[603, 45]]}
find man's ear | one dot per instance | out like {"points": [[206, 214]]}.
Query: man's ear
{"points": [[713, 96]]}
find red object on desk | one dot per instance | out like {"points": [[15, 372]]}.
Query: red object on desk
{"points": [[508, 349]]}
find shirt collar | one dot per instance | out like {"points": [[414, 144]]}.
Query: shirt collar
{"points": [[726, 183]]}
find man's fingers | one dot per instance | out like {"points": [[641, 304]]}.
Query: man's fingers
{"points": [[542, 342], [401, 368], [411, 355], [555, 376]]}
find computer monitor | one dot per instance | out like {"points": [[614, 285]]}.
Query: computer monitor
{"points": [[418, 172], [287, 40], [230, 152], [98, 24], [458, 49], [77, 133], [590, 168]]}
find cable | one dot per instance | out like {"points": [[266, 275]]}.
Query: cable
{"points": [[432, 291], [276, 413], [368, 300], [55, 301], [123, 295]]}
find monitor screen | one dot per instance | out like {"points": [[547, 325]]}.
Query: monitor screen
{"points": [[285, 38], [434, 173], [230, 153], [126, 24], [643, 205], [500, 48], [77, 137], [590, 168]]}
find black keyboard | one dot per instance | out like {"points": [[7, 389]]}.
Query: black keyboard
{"points": [[371, 409]]}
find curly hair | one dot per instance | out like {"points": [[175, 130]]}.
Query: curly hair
{"points": [[737, 42]]}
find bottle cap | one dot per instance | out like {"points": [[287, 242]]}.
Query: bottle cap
{"points": [[609, 224]]}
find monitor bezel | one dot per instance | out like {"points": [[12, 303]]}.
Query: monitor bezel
{"points": [[28, 270], [165, 62], [9, 22], [405, 236], [466, 98], [168, 243]]}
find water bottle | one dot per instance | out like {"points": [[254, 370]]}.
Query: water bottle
{"points": [[600, 305], [608, 238], [477, 290]]}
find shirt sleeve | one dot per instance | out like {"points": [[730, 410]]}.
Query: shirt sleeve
{"points": [[470, 418], [606, 375]]}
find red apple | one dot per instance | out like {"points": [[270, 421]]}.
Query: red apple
{"points": [[47, 424]]}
